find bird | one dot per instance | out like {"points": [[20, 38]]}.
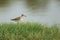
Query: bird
{"points": [[20, 18]]}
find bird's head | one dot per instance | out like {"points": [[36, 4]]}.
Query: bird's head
{"points": [[23, 15]]}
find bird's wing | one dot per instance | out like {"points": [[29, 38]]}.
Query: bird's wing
{"points": [[17, 18]]}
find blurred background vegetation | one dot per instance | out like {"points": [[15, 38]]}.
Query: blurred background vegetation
{"points": [[4, 3], [36, 4], [32, 4]]}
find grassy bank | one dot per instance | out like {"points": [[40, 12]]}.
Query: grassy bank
{"points": [[28, 31]]}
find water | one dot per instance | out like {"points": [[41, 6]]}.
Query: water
{"points": [[50, 15]]}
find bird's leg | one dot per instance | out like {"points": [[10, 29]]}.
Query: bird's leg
{"points": [[17, 22]]}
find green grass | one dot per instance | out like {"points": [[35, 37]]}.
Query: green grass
{"points": [[28, 31]]}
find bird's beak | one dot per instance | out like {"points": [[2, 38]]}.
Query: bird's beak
{"points": [[25, 15]]}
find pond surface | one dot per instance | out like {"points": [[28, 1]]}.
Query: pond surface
{"points": [[49, 15]]}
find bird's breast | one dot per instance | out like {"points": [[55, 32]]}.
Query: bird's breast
{"points": [[21, 18]]}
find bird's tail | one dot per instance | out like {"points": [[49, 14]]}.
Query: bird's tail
{"points": [[12, 19]]}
